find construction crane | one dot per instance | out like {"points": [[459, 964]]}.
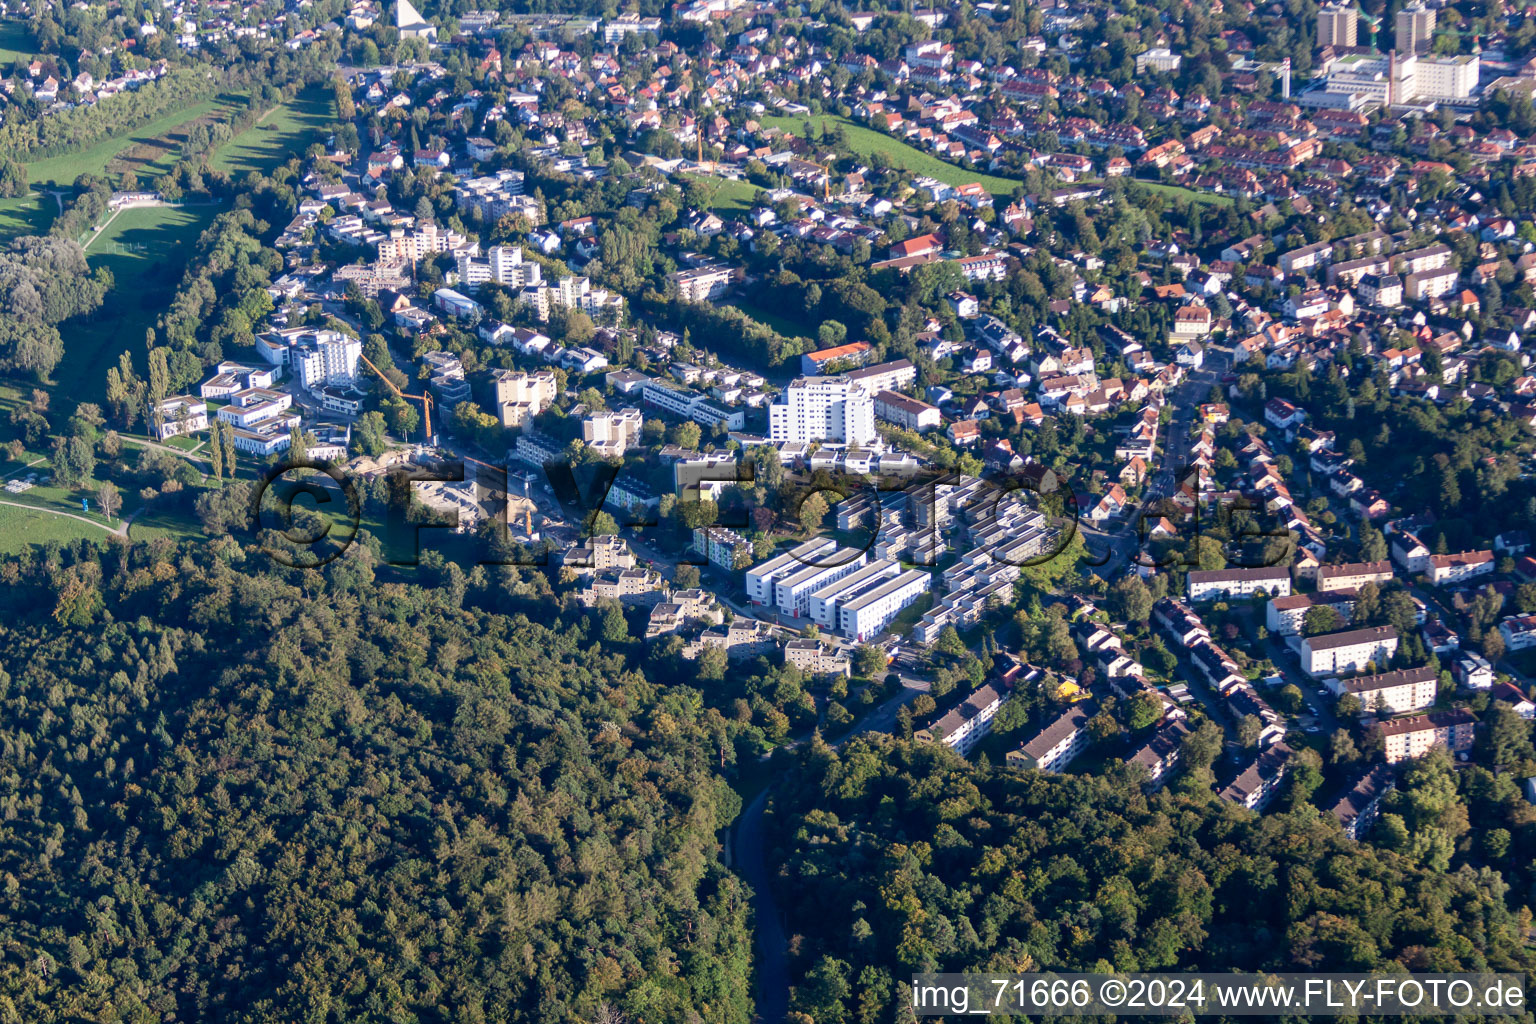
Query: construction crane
{"points": [[425, 398], [525, 505]]}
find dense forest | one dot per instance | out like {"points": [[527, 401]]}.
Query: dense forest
{"points": [[229, 792], [900, 858]]}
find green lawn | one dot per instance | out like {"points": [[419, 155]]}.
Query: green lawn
{"points": [[15, 42], [731, 196], [783, 324], [21, 528], [26, 215], [286, 131], [145, 248], [63, 170], [867, 141], [157, 521]]}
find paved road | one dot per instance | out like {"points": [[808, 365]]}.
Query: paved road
{"points": [[750, 847], [120, 530]]}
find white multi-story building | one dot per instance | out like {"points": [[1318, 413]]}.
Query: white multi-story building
{"points": [[255, 405], [907, 413], [964, 726], [1348, 651], [1353, 575], [868, 614], [1285, 616], [1055, 746], [792, 591], [704, 284], [501, 264], [612, 432], [1461, 566], [823, 409], [522, 396], [1257, 784], [1206, 585], [825, 601], [180, 414], [1398, 692], [816, 657], [573, 293], [317, 356], [722, 547], [760, 579], [427, 240], [1408, 738]]}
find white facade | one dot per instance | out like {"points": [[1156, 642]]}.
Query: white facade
{"points": [[1349, 651], [792, 591], [868, 614], [760, 578], [823, 409], [317, 356], [501, 264]]}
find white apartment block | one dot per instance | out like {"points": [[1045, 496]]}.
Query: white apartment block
{"points": [[1257, 784], [1228, 583], [721, 547], [497, 195], [1398, 692], [1407, 738], [1348, 651], [868, 614], [612, 432], [907, 413], [823, 409], [522, 396], [760, 579], [825, 601], [572, 293], [255, 405], [964, 726], [427, 240], [501, 264], [1465, 565], [815, 657], [792, 591], [181, 414], [317, 356], [704, 284], [1353, 575], [1055, 746], [892, 376], [1285, 616]]}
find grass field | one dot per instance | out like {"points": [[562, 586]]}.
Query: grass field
{"points": [[63, 170], [21, 528], [145, 248], [286, 131], [26, 215], [15, 42], [731, 196], [783, 324], [157, 521], [867, 141]]}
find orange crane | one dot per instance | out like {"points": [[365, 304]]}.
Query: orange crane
{"points": [[425, 398]]}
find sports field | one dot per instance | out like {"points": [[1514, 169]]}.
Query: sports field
{"points": [[146, 249]]}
